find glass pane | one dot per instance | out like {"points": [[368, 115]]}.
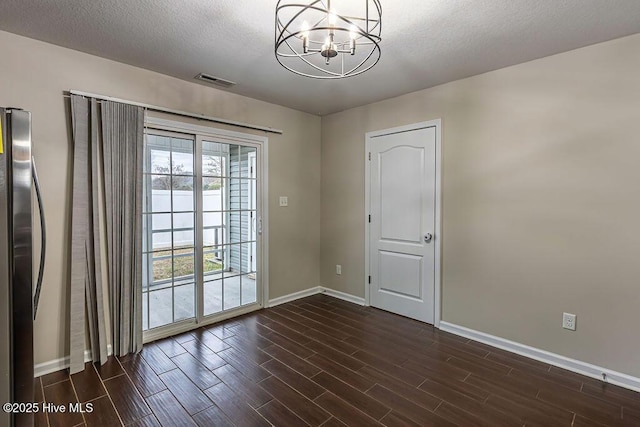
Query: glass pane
{"points": [[183, 266], [234, 227], [232, 252], [239, 164], [245, 218], [183, 238], [212, 219], [181, 156], [245, 185], [211, 184], [160, 241], [157, 154], [184, 302], [162, 267], [157, 141], [245, 167], [160, 200], [183, 220], [213, 231], [160, 307], [213, 194], [213, 159], [183, 194], [212, 263], [235, 158], [160, 161], [249, 290], [161, 222], [231, 292], [211, 148], [160, 182], [212, 297], [247, 258], [213, 236], [234, 194]]}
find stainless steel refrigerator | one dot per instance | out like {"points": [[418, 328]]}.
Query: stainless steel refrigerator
{"points": [[18, 292]]}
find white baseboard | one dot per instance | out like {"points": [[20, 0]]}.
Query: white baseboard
{"points": [[343, 296], [314, 291], [294, 296], [62, 363], [577, 366], [51, 366]]}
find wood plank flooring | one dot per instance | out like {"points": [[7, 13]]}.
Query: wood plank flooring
{"points": [[320, 361]]}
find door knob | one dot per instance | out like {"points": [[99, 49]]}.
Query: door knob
{"points": [[428, 237]]}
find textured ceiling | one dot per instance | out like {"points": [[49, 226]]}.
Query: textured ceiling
{"points": [[424, 42]]}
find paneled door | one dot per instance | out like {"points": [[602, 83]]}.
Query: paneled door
{"points": [[402, 229]]}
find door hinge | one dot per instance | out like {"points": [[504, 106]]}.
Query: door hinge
{"points": [[369, 155], [369, 279], [369, 218]]}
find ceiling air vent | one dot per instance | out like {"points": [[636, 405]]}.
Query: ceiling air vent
{"points": [[214, 80]]}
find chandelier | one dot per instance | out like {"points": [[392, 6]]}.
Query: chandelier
{"points": [[327, 39]]}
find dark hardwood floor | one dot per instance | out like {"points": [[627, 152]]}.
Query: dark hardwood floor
{"points": [[322, 361]]}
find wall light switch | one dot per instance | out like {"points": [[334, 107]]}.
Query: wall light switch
{"points": [[284, 201], [338, 269]]}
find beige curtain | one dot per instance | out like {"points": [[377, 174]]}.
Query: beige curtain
{"points": [[108, 139]]}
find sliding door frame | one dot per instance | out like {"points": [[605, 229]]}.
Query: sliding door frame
{"points": [[261, 143]]}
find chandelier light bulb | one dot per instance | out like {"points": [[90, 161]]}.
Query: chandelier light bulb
{"points": [[332, 17], [353, 32], [305, 37], [352, 39]]}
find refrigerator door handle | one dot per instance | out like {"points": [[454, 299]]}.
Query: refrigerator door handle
{"points": [[43, 235]]}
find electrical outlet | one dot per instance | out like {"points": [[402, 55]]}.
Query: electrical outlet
{"points": [[284, 201], [338, 269], [569, 321]]}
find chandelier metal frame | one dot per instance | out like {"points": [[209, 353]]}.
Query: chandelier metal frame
{"points": [[323, 38]]}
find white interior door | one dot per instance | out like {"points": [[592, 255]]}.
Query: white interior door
{"points": [[402, 225]]}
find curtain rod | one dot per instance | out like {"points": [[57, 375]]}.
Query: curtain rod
{"points": [[178, 112]]}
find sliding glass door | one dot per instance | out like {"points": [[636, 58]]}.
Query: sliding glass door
{"points": [[168, 223], [201, 236], [229, 226]]}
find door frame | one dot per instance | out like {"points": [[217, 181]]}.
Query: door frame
{"points": [[262, 159], [437, 238]]}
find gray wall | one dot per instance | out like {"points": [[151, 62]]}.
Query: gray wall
{"points": [[541, 199]]}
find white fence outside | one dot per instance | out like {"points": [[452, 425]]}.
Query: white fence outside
{"points": [[213, 200]]}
